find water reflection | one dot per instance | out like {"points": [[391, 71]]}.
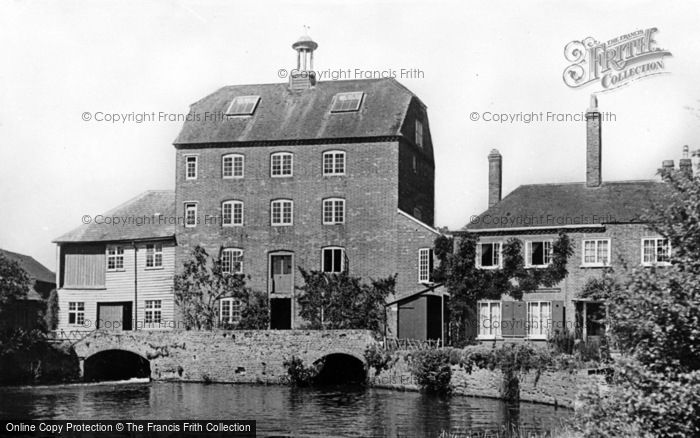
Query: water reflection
{"points": [[283, 411]]}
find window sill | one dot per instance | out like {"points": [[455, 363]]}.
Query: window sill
{"points": [[594, 266], [656, 265], [281, 176], [231, 225], [488, 268], [282, 225], [334, 223], [116, 270], [232, 177], [537, 266], [153, 268], [333, 174]]}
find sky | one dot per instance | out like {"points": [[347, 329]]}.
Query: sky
{"points": [[63, 59]]}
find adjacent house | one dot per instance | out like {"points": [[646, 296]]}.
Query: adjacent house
{"points": [[27, 313], [604, 222], [331, 176], [116, 272]]}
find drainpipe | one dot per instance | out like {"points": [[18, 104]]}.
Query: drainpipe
{"points": [[134, 325]]}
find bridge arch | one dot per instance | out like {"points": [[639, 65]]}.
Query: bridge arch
{"points": [[341, 367], [115, 364]]}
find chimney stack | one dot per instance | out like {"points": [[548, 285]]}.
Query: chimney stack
{"points": [[593, 144], [695, 159], [667, 165], [495, 173], [685, 164]]}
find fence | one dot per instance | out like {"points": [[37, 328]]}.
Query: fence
{"points": [[394, 344]]}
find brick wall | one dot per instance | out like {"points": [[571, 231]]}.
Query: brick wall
{"points": [[369, 189], [553, 387]]}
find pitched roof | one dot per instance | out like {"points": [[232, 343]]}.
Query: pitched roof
{"points": [[150, 215], [34, 269], [285, 115], [571, 204]]}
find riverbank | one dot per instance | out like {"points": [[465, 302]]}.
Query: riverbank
{"points": [[551, 387]]}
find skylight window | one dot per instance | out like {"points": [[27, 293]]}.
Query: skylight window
{"points": [[347, 102], [243, 106]]}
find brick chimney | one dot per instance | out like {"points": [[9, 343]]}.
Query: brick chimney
{"points": [[685, 164], [593, 144], [667, 165], [304, 76], [495, 173]]}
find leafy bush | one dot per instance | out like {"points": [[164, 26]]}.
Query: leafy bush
{"points": [[377, 358], [340, 301], [653, 316], [432, 371], [563, 342], [298, 373]]}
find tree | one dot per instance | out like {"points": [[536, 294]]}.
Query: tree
{"points": [[467, 284], [201, 284], [654, 319], [52, 311], [340, 301], [14, 283], [256, 312]]}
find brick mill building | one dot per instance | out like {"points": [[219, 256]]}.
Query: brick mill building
{"points": [[331, 176], [602, 219]]}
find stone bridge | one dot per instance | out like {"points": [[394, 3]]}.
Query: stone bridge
{"points": [[252, 356]]}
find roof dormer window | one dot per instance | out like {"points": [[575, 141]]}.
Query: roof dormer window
{"points": [[347, 102], [243, 106]]}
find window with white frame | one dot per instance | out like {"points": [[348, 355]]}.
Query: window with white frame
{"points": [[190, 166], [539, 317], [596, 252], [281, 212], [334, 163], [655, 250], [425, 265], [154, 312], [76, 313], [232, 261], [419, 133], [281, 164], [489, 319], [154, 255], [232, 213], [488, 255], [115, 258], [333, 260], [232, 166], [191, 214], [230, 310], [538, 253], [333, 211], [243, 105]]}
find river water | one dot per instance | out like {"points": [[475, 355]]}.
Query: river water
{"points": [[282, 411]]}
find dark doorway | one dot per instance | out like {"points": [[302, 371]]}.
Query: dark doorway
{"points": [[114, 316], [115, 365], [281, 313], [434, 317], [281, 274], [340, 369]]}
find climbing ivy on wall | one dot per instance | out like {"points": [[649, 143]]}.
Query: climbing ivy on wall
{"points": [[468, 284]]}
